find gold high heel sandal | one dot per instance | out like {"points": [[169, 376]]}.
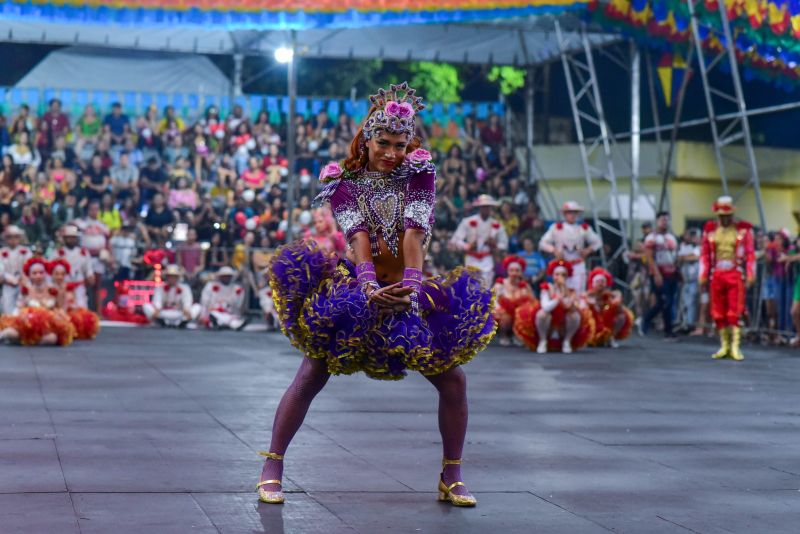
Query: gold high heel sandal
{"points": [[446, 492], [270, 497]]}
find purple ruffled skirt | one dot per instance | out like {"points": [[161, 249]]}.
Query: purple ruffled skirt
{"points": [[325, 314]]}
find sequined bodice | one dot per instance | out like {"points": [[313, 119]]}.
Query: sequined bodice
{"points": [[384, 204], [726, 242]]}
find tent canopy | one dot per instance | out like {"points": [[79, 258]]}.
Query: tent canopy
{"points": [[82, 68], [527, 41]]}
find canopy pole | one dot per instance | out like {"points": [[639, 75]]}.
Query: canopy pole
{"points": [[291, 140], [238, 61]]}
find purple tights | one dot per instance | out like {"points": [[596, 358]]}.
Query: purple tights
{"points": [[312, 377]]}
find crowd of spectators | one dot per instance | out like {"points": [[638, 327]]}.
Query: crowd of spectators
{"points": [[211, 191]]}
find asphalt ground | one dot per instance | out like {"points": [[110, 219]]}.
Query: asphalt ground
{"points": [[146, 430]]}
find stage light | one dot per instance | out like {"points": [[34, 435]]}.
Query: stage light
{"points": [[284, 55]]}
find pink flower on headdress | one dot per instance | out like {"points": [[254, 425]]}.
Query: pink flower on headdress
{"points": [[406, 110], [330, 171], [419, 155], [392, 108]]}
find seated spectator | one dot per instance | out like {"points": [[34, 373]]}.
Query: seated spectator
{"points": [[44, 190], [190, 257], [518, 195], [23, 122], [150, 119], [125, 178], [23, 153], [109, 214], [217, 254], [159, 220], [123, 250], [176, 150], [54, 123], [102, 150], [59, 175], [96, 180], [149, 144], [65, 153], [276, 166], [31, 224], [492, 133], [87, 132], [454, 167], [171, 125], [182, 198], [535, 263], [117, 125], [508, 218], [345, 128], [180, 171], [66, 210], [152, 180], [236, 119], [254, 177], [226, 173]]}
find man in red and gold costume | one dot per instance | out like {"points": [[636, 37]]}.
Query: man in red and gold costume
{"points": [[727, 262]]}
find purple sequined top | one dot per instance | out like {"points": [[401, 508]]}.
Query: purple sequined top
{"points": [[384, 204]]}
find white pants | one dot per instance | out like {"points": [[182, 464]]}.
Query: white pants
{"points": [[227, 320], [485, 265], [267, 304], [10, 296], [578, 279], [172, 317], [81, 297]]}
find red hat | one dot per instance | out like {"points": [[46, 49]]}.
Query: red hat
{"points": [[31, 262], [599, 272], [55, 263], [559, 264], [724, 206], [514, 259]]}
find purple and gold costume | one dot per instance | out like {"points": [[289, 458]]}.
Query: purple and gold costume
{"points": [[324, 311]]}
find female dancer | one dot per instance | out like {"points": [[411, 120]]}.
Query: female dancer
{"points": [[36, 321], [327, 236], [512, 292], [378, 315], [86, 322], [560, 322], [612, 320]]}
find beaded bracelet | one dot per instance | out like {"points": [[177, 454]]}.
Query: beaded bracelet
{"points": [[365, 274], [413, 278]]}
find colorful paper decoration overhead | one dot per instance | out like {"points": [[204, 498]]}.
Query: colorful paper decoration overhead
{"points": [[766, 32], [671, 71], [279, 14]]}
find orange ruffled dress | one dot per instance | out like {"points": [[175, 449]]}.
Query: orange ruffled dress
{"points": [[33, 323], [605, 313], [525, 325], [509, 306]]}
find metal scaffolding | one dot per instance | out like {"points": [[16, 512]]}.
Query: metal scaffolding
{"points": [[732, 127], [587, 112]]}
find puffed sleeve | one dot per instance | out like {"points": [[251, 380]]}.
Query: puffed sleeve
{"points": [[420, 200], [344, 205]]}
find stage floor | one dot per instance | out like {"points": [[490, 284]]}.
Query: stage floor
{"points": [[157, 431]]}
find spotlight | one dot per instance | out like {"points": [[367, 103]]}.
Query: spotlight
{"points": [[284, 55]]}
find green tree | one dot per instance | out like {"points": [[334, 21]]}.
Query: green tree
{"points": [[509, 79], [438, 82]]}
